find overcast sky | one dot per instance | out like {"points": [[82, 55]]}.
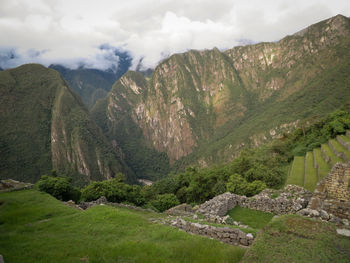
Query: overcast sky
{"points": [[72, 31]]}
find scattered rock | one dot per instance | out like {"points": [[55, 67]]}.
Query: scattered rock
{"points": [[324, 215], [343, 232]]}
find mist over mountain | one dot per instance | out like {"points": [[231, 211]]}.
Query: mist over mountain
{"points": [[201, 107]]}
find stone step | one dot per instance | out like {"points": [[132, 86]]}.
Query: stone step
{"points": [[329, 156], [339, 150], [344, 140]]}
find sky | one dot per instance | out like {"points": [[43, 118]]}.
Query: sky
{"points": [[89, 32]]}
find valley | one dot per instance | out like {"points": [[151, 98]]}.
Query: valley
{"points": [[215, 155]]}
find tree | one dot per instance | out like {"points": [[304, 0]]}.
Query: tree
{"points": [[237, 184], [164, 202]]}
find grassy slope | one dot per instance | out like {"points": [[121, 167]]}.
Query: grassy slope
{"points": [[296, 175], [324, 167], [293, 238], [334, 159], [100, 234], [311, 177], [340, 148]]}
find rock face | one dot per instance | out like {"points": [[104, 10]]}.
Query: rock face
{"points": [[227, 99], [290, 200], [232, 236], [332, 194]]}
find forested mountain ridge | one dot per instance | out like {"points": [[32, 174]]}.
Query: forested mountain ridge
{"points": [[200, 107], [46, 126]]}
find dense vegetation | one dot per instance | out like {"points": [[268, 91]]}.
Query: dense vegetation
{"points": [[35, 227], [248, 174]]}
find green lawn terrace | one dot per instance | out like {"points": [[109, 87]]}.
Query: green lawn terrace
{"points": [[35, 227], [307, 171]]}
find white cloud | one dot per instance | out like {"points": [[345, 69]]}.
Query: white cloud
{"points": [[71, 32]]}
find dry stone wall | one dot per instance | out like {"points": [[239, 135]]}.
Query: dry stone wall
{"points": [[332, 194], [290, 200], [232, 236]]}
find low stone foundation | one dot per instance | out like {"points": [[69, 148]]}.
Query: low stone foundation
{"points": [[289, 200], [232, 236]]}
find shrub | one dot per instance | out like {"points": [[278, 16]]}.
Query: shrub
{"points": [[164, 202], [59, 187], [255, 187], [114, 190], [237, 184]]}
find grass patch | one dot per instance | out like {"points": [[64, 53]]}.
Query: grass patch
{"points": [[334, 159], [38, 228], [340, 148], [253, 218], [293, 238], [323, 167], [311, 177], [345, 138], [296, 175]]}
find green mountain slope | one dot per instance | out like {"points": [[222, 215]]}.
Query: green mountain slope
{"points": [[200, 107], [46, 126]]}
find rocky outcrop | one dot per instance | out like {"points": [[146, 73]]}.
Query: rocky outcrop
{"points": [[289, 200], [232, 236]]}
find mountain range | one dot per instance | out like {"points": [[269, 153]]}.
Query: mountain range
{"points": [[196, 108], [201, 107]]}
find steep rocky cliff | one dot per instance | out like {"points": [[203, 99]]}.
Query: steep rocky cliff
{"points": [[44, 126], [202, 106]]}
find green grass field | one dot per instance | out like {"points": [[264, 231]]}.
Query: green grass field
{"points": [[253, 218], [296, 175], [340, 148], [324, 167], [335, 159], [292, 238], [311, 177], [35, 227]]}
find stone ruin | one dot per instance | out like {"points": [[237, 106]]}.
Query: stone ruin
{"points": [[332, 194], [232, 236], [289, 200]]}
